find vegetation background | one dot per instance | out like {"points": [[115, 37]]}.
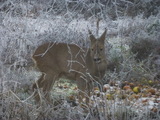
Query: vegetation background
{"points": [[133, 50]]}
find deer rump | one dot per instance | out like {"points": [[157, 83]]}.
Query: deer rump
{"points": [[57, 60]]}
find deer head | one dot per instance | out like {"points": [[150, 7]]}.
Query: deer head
{"points": [[97, 48]]}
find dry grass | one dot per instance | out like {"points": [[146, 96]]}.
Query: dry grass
{"points": [[23, 26]]}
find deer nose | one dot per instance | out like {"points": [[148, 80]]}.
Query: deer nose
{"points": [[97, 60]]}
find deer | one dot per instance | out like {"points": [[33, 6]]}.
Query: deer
{"points": [[63, 60]]}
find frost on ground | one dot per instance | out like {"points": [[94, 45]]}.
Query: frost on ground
{"points": [[20, 35], [19, 38]]}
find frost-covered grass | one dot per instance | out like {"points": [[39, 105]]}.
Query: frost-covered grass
{"points": [[22, 30]]}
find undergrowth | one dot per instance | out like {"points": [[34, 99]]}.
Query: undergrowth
{"points": [[132, 52]]}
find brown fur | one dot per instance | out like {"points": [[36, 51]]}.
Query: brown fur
{"points": [[57, 60]]}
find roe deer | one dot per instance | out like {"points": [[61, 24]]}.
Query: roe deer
{"points": [[56, 60]]}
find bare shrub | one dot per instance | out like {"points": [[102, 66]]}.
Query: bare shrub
{"points": [[25, 24]]}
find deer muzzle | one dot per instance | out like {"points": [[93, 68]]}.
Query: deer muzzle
{"points": [[97, 60]]}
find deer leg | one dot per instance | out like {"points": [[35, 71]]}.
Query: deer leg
{"points": [[83, 90], [45, 82], [36, 86], [50, 79]]}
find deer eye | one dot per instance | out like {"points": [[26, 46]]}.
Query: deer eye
{"points": [[101, 49], [92, 49]]}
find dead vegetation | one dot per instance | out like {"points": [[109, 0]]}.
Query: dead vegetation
{"points": [[131, 84]]}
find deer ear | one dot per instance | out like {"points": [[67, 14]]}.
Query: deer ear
{"points": [[91, 37], [103, 36]]}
